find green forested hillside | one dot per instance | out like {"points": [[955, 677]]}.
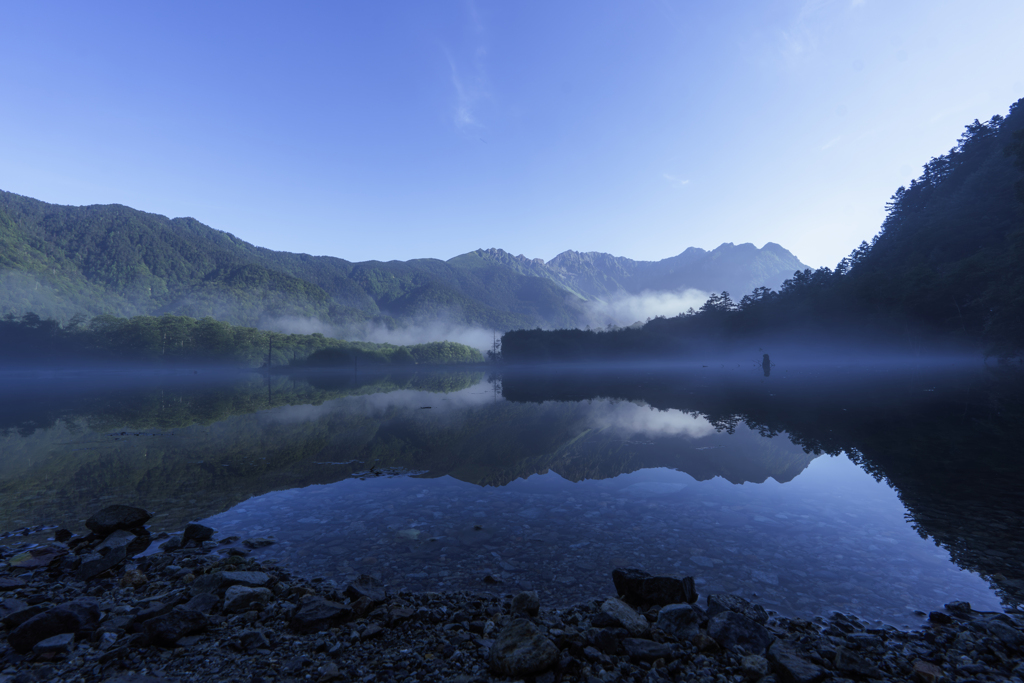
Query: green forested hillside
{"points": [[57, 261]]}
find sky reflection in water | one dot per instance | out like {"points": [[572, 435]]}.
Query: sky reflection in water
{"points": [[830, 538]]}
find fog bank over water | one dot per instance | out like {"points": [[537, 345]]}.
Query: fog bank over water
{"points": [[421, 332]]}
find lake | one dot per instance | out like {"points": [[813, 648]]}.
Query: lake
{"points": [[882, 491]]}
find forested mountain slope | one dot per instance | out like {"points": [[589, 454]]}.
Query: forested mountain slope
{"points": [[57, 261]]}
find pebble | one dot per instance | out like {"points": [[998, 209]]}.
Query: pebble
{"points": [[298, 629]]}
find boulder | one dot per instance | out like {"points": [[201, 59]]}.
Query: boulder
{"points": [[10, 583], [754, 667], [316, 614], [637, 587], [95, 564], [55, 645], [176, 624], [853, 664], [625, 616], [204, 602], [926, 672], [791, 667], [242, 598], [733, 630], [20, 612], [526, 603], [253, 640], [723, 602], [521, 650], [114, 517], [71, 617], [35, 558], [132, 544], [681, 622], [218, 581], [196, 532], [1010, 637]]}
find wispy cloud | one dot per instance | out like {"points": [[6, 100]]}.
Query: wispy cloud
{"points": [[831, 143], [468, 75], [675, 180], [464, 100]]}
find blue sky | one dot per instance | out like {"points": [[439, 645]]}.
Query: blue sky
{"points": [[391, 130]]}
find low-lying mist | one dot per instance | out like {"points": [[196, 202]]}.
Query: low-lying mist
{"points": [[625, 309], [419, 332]]}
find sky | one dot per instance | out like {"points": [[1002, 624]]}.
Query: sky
{"points": [[400, 130]]}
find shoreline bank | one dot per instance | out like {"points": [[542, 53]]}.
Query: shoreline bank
{"points": [[90, 608]]}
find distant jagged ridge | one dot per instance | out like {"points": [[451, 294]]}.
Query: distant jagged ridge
{"points": [[58, 261], [737, 268]]}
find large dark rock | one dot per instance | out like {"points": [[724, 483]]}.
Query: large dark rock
{"points": [[1010, 637], [521, 650], [71, 617], [723, 602], [640, 588], [9, 606], [10, 583], [681, 622], [219, 581], [791, 667], [366, 587], [196, 532], [618, 613], [95, 564], [204, 602], [853, 664], [20, 612], [35, 558], [526, 603], [733, 630], [55, 645], [176, 624], [110, 519], [316, 614], [243, 598], [131, 542]]}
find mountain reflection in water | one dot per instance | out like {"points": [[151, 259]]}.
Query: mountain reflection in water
{"points": [[548, 481]]}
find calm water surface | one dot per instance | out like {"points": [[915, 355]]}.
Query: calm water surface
{"points": [[808, 493]]}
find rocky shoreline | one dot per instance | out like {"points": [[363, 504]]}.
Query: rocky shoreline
{"points": [[94, 608]]}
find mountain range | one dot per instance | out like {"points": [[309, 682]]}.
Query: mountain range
{"points": [[59, 261]]}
